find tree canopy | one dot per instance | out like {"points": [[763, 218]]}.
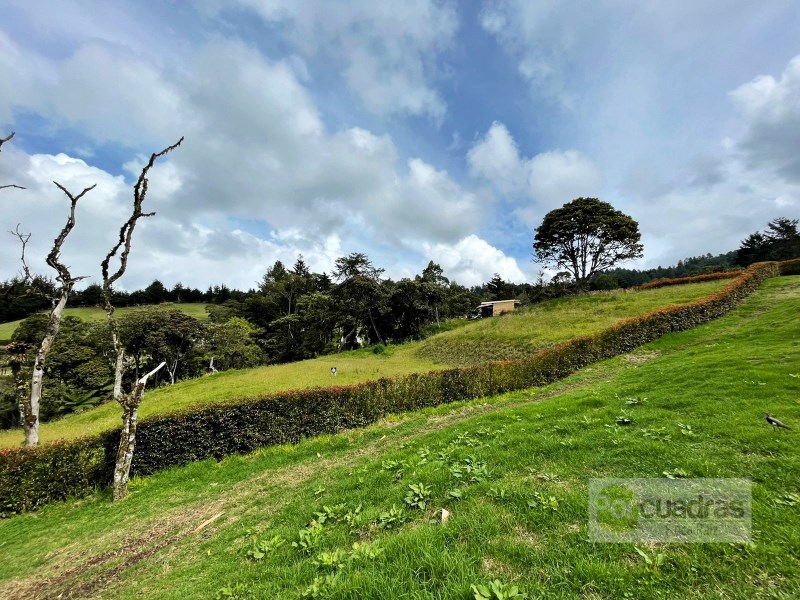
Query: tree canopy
{"points": [[585, 237], [779, 241]]}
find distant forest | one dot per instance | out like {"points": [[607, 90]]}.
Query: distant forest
{"points": [[291, 315], [779, 241]]}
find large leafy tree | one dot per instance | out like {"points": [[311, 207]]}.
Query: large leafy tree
{"points": [[360, 297], [585, 237], [779, 241], [152, 335]]}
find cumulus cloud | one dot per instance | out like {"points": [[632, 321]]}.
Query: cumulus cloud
{"points": [[472, 261], [256, 150], [770, 112], [549, 179], [273, 159], [386, 51], [104, 90], [496, 159], [197, 252], [558, 177], [42, 210]]}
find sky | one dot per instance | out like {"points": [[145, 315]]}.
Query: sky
{"points": [[410, 131]]}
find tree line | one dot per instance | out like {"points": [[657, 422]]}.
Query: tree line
{"points": [[780, 240], [293, 314]]}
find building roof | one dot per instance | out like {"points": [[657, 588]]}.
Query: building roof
{"points": [[493, 302]]}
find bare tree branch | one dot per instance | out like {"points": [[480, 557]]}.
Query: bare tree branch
{"points": [[53, 258], [6, 139], [126, 231], [143, 380], [23, 240], [9, 185], [129, 402]]}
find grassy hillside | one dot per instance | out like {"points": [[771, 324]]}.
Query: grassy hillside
{"points": [[513, 471], [516, 336], [508, 336], [198, 311]]}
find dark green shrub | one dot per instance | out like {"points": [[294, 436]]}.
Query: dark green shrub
{"points": [[790, 267]]}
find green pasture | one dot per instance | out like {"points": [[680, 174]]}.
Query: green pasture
{"points": [[358, 515], [509, 336], [198, 311]]}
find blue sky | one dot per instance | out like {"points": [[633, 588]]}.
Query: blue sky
{"points": [[411, 131]]}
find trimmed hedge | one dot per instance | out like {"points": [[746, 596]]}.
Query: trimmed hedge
{"points": [[658, 283], [32, 477], [790, 267]]}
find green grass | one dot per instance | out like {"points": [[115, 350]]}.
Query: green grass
{"points": [[185, 533], [516, 335], [510, 336], [198, 311]]}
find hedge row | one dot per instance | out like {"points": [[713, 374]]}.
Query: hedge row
{"points": [[790, 267], [658, 283], [32, 477]]}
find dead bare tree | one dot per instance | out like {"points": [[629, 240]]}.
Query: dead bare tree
{"points": [[129, 402], [3, 141], [29, 403], [23, 238]]}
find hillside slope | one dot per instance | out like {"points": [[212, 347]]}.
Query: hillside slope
{"points": [[509, 337], [513, 471], [198, 311], [516, 336]]}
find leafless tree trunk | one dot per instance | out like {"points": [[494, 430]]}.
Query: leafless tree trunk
{"points": [[29, 414], [172, 370], [371, 320], [129, 402], [29, 405], [127, 442]]}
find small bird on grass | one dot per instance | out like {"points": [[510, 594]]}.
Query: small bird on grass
{"points": [[775, 422]]}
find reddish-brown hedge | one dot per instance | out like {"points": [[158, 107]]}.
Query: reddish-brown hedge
{"points": [[32, 477], [658, 283]]}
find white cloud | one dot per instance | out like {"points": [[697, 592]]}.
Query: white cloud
{"points": [[386, 51], [549, 179], [21, 72], [496, 159], [99, 213], [472, 261], [256, 151], [102, 90], [556, 177], [539, 38], [770, 112]]}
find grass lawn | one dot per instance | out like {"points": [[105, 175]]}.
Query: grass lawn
{"points": [[498, 338], [513, 471], [516, 335], [198, 311]]}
